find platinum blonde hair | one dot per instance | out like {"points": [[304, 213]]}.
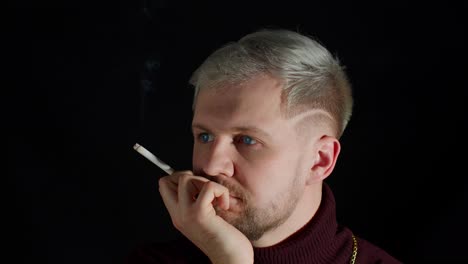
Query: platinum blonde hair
{"points": [[311, 77]]}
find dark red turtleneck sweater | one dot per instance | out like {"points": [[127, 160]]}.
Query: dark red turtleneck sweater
{"points": [[322, 240]]}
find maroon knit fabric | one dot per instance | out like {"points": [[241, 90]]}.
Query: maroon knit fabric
{"points": [[322, 240]]}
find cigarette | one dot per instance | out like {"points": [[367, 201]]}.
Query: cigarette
{"points": [[153, 158]]}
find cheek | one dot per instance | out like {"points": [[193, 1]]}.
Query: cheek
{"points": [[198, 153], [267, 177]]}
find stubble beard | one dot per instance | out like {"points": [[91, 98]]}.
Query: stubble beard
{"points": [[254, 222]]}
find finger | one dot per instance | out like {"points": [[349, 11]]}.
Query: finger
{"points": [[188, 187], [213, 193], [168, 191], [169, 198], [171, 183]]}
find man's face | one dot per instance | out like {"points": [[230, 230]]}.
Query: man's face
{"points": [[242, 141]]}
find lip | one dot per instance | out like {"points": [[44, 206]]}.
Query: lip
{"points": [[235, 200], [234, 197]]}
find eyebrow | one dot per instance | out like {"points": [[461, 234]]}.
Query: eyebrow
{"points": [[243, 129]]}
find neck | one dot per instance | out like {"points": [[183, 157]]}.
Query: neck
{"points": [[302, 214]]}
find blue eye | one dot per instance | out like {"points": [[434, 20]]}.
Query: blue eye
{"points": [[248, 140], [205, 137]]}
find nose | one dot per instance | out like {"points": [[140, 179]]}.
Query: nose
{"points": [[218, 160]]}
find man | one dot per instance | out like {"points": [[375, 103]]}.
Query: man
{"points": [[268, 113]]}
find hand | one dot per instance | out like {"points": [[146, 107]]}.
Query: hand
{"points": [[196, 217]]}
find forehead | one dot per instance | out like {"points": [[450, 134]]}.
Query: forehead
{"points": [[254, 103]]}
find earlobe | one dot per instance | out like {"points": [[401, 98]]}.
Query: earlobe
{"points": [[327, 153]]}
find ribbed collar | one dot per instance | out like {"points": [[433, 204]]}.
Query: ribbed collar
{"points": [[319, 241]]}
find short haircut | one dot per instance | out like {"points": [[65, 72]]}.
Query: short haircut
{"points": [[311, 77]]}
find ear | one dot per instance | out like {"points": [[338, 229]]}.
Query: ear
{"points": [[327, 151]]}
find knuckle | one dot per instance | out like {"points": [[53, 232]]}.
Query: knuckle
{"points": [[182, 179], [215, 186], [181, 173], [224, 188], [162, 180], [211, 185]]}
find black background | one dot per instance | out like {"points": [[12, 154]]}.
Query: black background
{"points": [[90, 81]]}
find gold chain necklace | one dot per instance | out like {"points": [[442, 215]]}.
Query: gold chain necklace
{"points": [[353, 256]]}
